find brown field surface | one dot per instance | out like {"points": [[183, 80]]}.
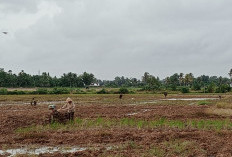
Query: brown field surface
{"points": [[104, 125]]}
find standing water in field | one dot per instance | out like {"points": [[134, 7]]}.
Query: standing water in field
{"points": [[42, 150], [191, 99], [28, 103]]}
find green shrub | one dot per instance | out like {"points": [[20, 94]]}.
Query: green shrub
{"points": [[3, 91], [41, 91], [123, 90], [184, 90], [79, 91], [21, 92], [223, 88], [203, 102], [15, 92], [173, 87], [60, 91], [91, 91], [196, 86], [103, 91]]}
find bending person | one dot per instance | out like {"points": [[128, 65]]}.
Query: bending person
{"points": [[68, 108]]}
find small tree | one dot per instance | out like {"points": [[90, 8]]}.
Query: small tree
{"points": [[88, 78], [3, 91], [184, 90], [211, 88], [123, 90], [196, 85]]}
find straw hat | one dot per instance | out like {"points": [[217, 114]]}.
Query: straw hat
{"points": [[68, 100]]}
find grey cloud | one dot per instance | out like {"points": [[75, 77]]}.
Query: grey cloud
{"points": [[126, 37], [8, 6]]}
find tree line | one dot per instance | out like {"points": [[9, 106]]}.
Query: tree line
{"points": [[22, 79], [148, 82]]}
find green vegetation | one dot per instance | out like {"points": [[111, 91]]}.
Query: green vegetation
{"points": [[174, 147], [203, 102], [184, 90], [102, 91], [123, 90], [176, 82], [127, 122], [3, 91]]}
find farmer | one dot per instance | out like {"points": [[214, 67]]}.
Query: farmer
{"points": [[54, 113], [120, 96], [33, 102], [68, 108], [165, 94]]}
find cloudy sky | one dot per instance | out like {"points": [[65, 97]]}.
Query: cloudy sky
{"points": [[116, 37]]}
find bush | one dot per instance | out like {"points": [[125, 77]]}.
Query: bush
{"points": [[123, 90], [79, 91], [196, 86], [41, 91], [91, 91], [150, 88], [60, 91], [21, 92], [103, 91], [173, 87], [223, 88], [15, 92], [3, 91], [203, 102], [184, 90]]}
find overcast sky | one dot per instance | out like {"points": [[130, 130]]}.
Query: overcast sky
{"points": [[117, 37]]}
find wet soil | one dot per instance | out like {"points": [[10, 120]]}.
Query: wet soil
{"points": [[213, 143]]}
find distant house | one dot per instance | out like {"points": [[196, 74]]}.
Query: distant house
{"points": [[94, 85], [230, 84]]}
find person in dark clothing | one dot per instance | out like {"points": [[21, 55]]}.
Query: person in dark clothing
{"points": [[120, 96], [165, 94]]}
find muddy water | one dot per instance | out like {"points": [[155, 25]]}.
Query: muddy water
{"points": [[190, 99], [172, 99], [144, 102], [42, 150], [28, 103], [144, 110], [136, 103]]}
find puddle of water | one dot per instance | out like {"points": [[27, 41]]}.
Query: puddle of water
{"points": [[131, 114], [109, 148], [189, 99], [148, 102], [144, 110], [28, 103], [42, 150], [192, 103], [144, 102]]}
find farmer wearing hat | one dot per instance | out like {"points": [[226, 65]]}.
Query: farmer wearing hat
{"points": [[68, 108]]}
